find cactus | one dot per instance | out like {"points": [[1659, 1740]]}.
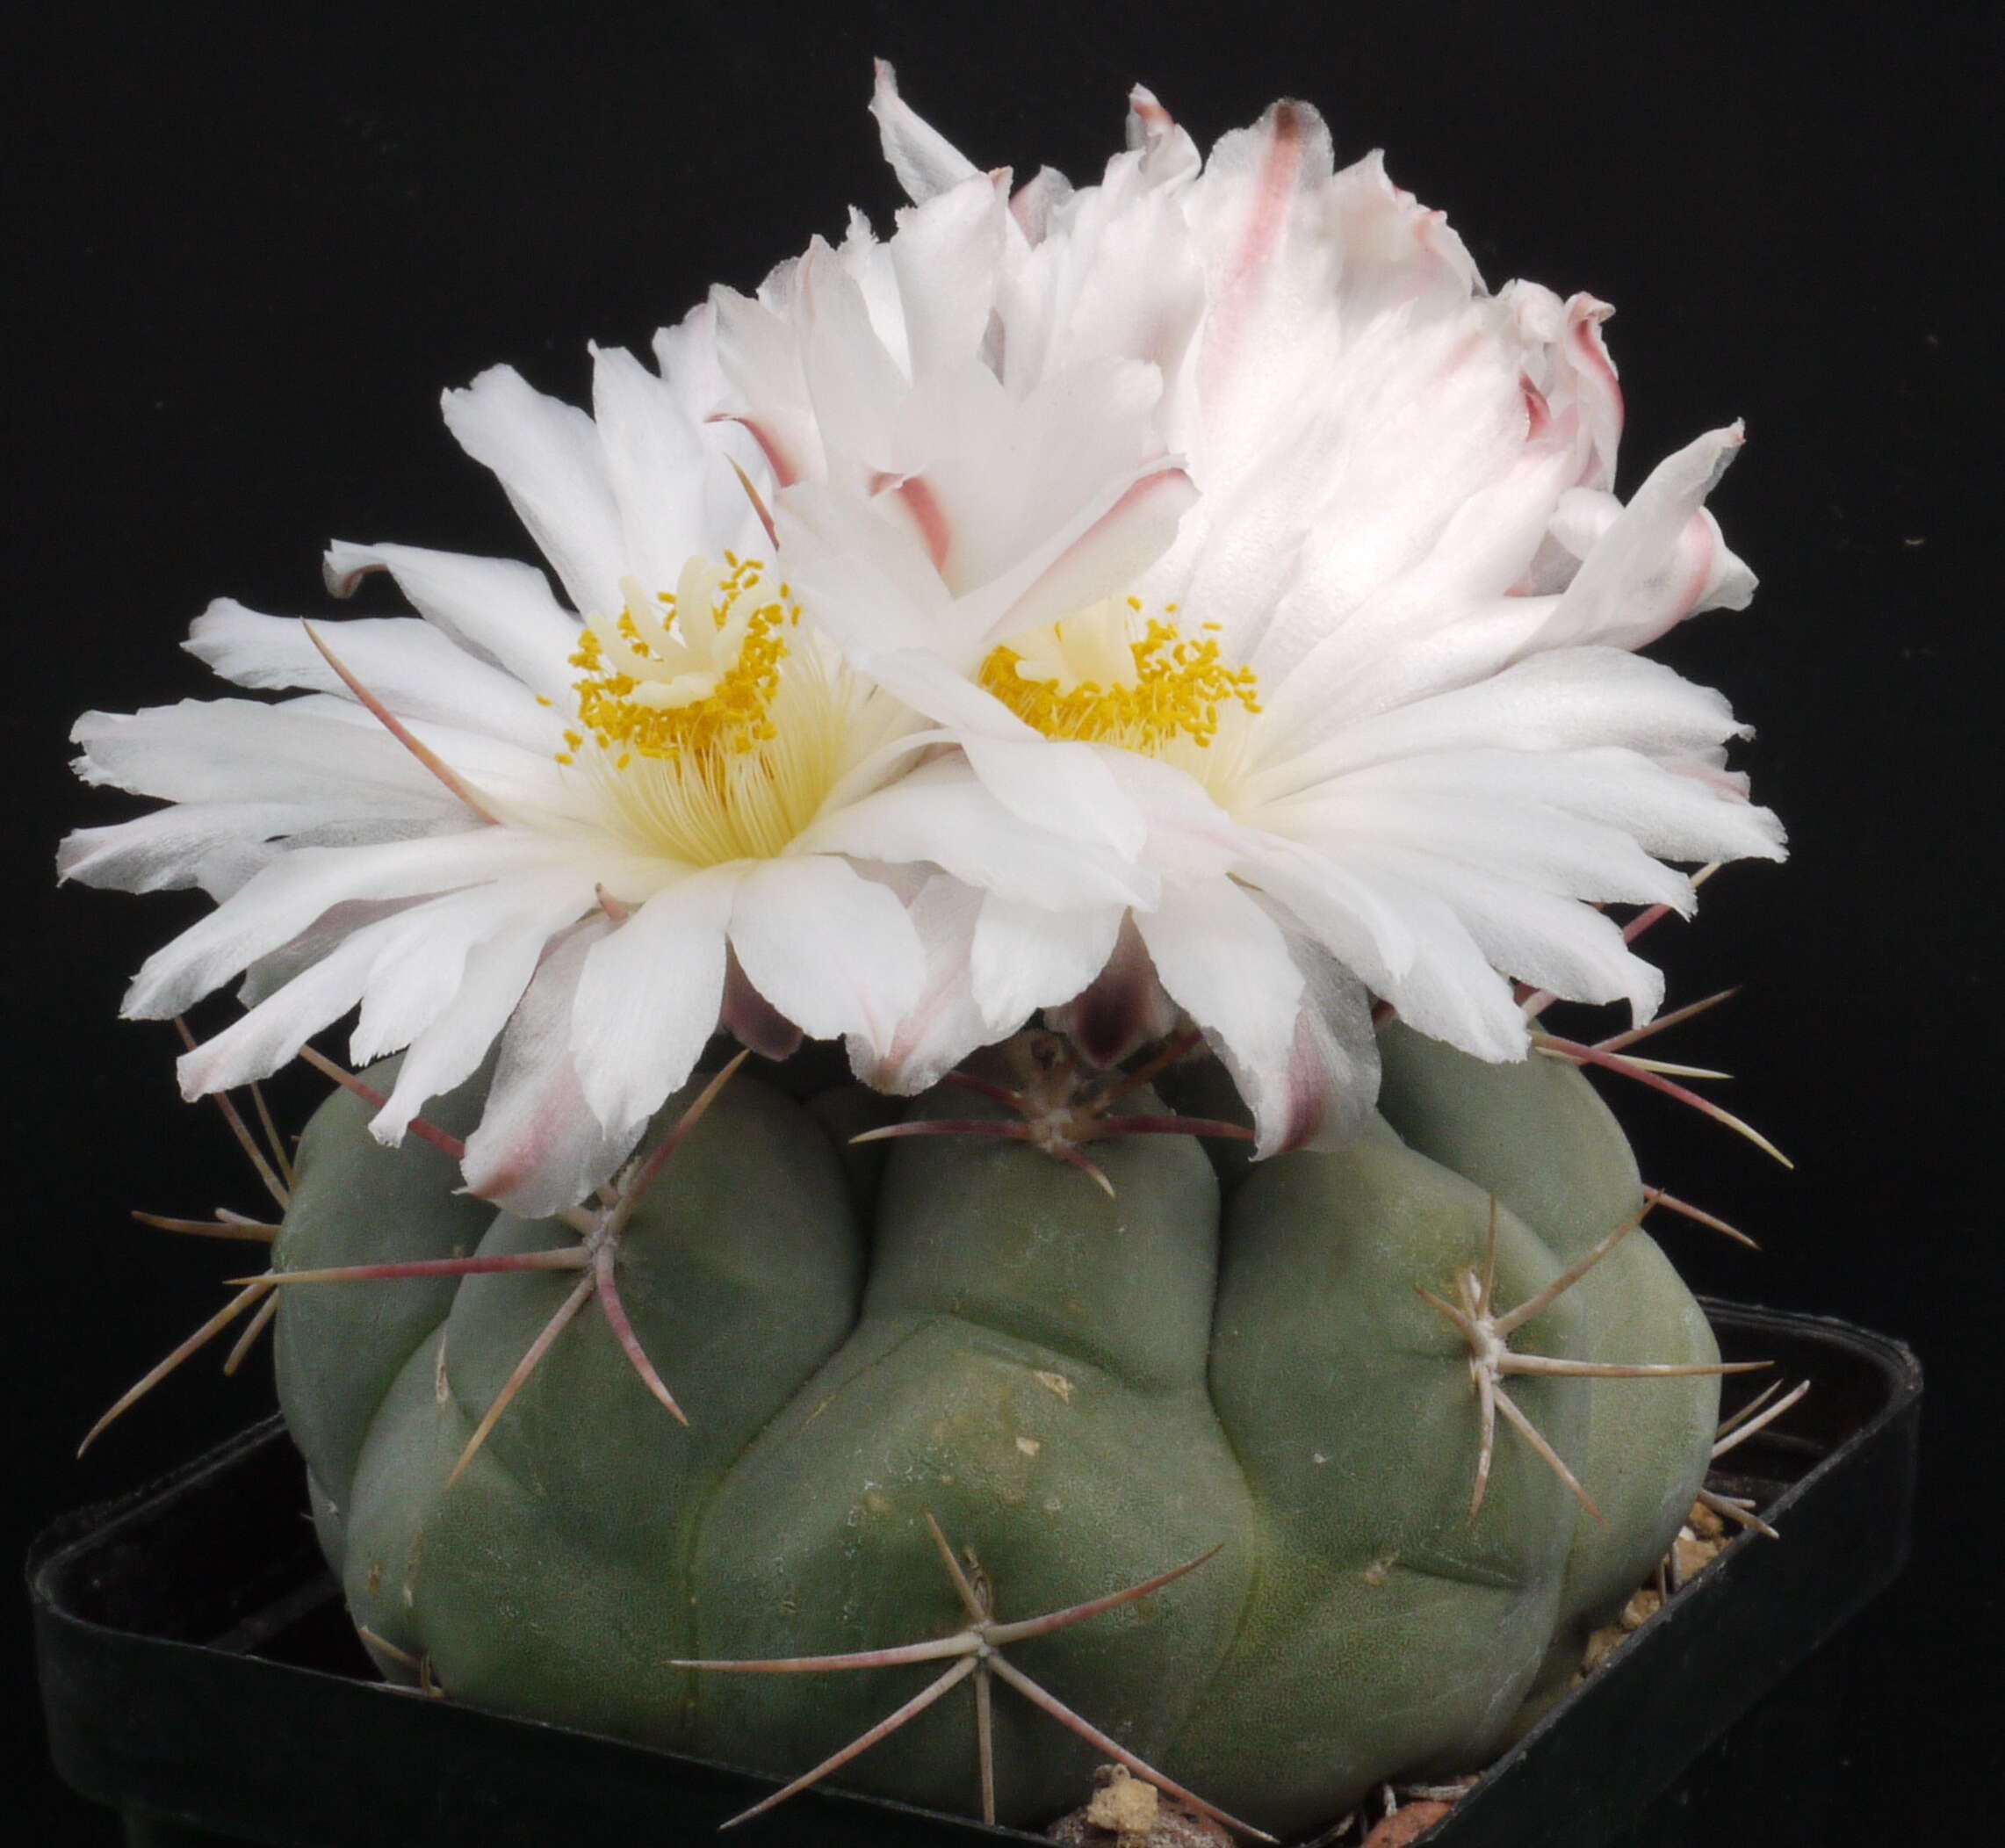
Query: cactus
{"points": [[1089, 1373]]}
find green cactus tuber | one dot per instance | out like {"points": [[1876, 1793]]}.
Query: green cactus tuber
{"points": [[1086, 1388]]}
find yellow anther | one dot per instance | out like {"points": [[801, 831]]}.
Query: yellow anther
{"points": [[1091, 678], [670, 686]]}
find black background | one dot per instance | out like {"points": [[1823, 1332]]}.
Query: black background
{"points": [[248, 254]]}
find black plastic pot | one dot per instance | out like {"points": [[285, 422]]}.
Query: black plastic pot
{"points": [[198, 1672]]}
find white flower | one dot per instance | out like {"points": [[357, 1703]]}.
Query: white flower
{"points": [[593, 841], [1363, 702]]}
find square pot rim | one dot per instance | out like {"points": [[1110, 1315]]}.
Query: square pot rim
{"points": [[1809, 1589]]}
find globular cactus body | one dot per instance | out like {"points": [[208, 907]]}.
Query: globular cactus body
{"points": [[1085, 1389]]}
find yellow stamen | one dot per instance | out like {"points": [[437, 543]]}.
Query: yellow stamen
{"points": [[661, 685], [1090, 678]]}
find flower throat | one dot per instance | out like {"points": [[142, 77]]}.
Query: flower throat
{"points": [[712, 746]]}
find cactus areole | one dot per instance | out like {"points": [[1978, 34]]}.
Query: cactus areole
{"points": [[1267, 1366]]}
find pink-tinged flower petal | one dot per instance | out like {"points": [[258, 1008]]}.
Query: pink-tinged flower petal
{"points": [[1169, 156], [1398, 256], [548, 458], [834, 951], [1114, 550], [873, 586], [924, 160], [1033, 203], [759, 358], [498, 610], [648, 996], [1584, 386], [751, 1020], [1660, 561], [1044, 476], [1124, 1007], [1323, 1098], [540, 1146], [853, 383], [410, 666], [1254, 210]]}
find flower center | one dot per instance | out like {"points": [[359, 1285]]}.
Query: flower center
{"points": [[1092, 677], [713, 738]]}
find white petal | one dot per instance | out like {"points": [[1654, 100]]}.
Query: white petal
{"points": [[1024, 957], [940, 814], [1666, 813], [944, 259], [236, 750], [540, 1146], [834, 951], [1577, 699], [412, 667], [257, 1044], [943, 1025], [1226, 964], [924, 161], [1407, 945], [648, 997], [485, 992], [1528, 843], [656, 465], [1552, 942], [1323, 1095], [497, 609], [548, 457], [418, 973], [175, 847], [1660, 561], [1067, 787], [290, 894]]}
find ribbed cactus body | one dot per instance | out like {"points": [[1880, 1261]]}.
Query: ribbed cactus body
{"points": [[1085, 1390]]}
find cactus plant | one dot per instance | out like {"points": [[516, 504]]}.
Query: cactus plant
{"points": [[1160, 1293], [1085, 1385]]}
